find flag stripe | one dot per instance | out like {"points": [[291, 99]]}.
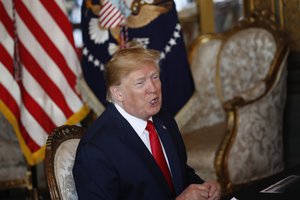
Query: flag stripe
{"points": [[34, 89], [8, 100], [40, 56], [107, 8], [31, 126], [12, 98], [108, 16], [27, 139], [7, 45], [6, 20], [57, 35], [59, 16], [45, 41], [13, 94], [6, 59], [8, 8], [37, 111], [46, 83], [114, 20], [8, 81], [6, 39], [106, 5]]}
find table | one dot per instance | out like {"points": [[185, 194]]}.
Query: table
{"points": [[252, 191]]}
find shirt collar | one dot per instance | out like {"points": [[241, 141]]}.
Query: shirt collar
{"points": [[139, 125]]}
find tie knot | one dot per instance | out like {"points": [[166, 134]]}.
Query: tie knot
{"points": [[150, 126]]}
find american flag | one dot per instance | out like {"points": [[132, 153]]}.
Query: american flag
{"points": [[110, 16], [39, 67]]}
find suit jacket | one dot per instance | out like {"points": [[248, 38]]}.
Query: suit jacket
{"points": [[112, 162]]}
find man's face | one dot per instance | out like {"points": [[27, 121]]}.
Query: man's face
{"points": [[140, 92]]}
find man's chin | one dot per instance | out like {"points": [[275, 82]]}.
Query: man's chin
{"points": [[155, 110]]}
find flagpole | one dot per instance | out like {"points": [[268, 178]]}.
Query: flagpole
{"points": [[34, 193]]}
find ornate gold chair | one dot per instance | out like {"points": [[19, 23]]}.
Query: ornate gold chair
{"points": [[59, 159], [232, 125]]}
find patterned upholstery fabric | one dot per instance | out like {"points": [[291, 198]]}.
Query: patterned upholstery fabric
{"points": [[203, 117], [232, 125], [260, 125], [204, 108], [60, 153], [63, 163], [245, 60]]}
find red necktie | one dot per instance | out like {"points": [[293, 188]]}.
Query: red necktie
{"points": [[158, 154]]}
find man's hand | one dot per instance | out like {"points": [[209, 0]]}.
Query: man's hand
{"points": [[209, 190], [214, 190]]}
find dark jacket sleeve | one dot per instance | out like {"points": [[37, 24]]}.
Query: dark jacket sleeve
{"points": [[90, 164]]}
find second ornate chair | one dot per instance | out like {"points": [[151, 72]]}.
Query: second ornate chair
{"points": [[233, 124], [59, 159]]}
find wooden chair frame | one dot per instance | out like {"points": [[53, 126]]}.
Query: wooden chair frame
{"points": [[54, 140]]}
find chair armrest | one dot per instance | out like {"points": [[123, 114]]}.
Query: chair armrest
{"points": [[246, 97]]}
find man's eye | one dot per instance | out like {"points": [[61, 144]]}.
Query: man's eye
{"points": [[156, 77], [139, 83]]}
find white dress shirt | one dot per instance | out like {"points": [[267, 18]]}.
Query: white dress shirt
{"points": [[139, 126]]}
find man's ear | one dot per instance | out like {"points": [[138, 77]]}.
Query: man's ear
{"points": [[116, 93]]}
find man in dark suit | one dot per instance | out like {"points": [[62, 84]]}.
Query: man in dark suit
{"points": [[117, 158]]}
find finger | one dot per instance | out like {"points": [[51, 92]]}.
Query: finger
{"points": [[212, 191], [214, 196], [202, 190], [200, 187]]}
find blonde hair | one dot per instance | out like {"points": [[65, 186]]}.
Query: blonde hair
{"points": [[126, 61]]}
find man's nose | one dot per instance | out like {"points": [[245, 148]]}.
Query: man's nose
{"points": [[152, 86]]}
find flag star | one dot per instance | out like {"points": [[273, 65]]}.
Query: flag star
{"points": [[162, 55], [178, 27], [176, 34], [96, 62], [101, 67], [172, 42], [85, 51], [167, 48], [91, 58]]}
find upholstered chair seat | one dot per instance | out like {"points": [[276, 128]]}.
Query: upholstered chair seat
{"points": [[210, 139]]}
